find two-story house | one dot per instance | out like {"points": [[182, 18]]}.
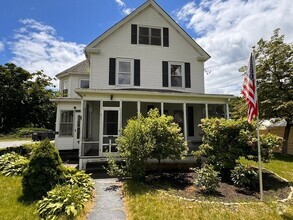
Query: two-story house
{"points": [[145, 61]]}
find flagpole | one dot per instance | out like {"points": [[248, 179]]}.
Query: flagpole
{"points": [[258, 138]]}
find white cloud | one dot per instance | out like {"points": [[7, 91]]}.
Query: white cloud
{"points": [[227, 30], [36, 46], [125, 10], [120, 3], [1, 46]]}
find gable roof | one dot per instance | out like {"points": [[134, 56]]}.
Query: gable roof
{"points": [[149, 3], [81, 68]]}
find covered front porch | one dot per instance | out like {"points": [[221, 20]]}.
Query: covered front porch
{"points": [[105, 112]]}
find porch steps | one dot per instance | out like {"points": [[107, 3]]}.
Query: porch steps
{"points": [[69, 155]]}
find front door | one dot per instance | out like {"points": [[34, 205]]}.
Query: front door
{"points": [[77, 130], [110, 131]]}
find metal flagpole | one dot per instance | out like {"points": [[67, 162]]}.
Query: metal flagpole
{"points": [[258, 139]]}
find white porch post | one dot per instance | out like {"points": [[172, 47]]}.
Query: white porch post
{"points": [[162, 108], [138, 107], [227, 111], [207, 111], [185, 121], [80, 166]]}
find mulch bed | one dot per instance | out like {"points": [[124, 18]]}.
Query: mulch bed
{"points": [[181, 185]]}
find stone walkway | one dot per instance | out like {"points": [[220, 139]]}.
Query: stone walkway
{"points": [[4, 144], [109, 204]]}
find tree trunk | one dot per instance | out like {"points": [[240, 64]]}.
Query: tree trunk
{"points": [[286, 137]]}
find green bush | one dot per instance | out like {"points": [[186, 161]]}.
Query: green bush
{"points": [[63, 201], [44, 171], [13, 164], [244, 177], [73, 176], [225, 141], [21, 132], [207, 178], [143, 138]]}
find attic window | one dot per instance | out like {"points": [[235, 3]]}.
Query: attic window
{"points": [[150, 36]]}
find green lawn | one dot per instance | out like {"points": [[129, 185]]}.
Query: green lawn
{"points": [[143, 202], [11, 204]]}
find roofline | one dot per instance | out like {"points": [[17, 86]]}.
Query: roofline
{"points": [[68, 70], [81, 92], [65, 99], [205, 56]]}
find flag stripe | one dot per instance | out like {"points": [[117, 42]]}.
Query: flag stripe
{"points": [[249, 89]]}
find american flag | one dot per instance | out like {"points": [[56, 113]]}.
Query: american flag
{"points": [[249, 89]]}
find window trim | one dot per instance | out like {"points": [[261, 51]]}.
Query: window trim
{"points": [[66, 123], [150, 36], [131, 71], [182, 64], [79, 83]]}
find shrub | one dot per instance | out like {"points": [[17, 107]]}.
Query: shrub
{"points": [[244, 177], [12, 164], [207, 178], [73, 176], [24, 150], [28, 131], [225, 141], [65, 200], [152, 137], [44, 171]]}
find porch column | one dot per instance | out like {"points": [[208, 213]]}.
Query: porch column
{"points": [[227, 111], [83, 104], [185, 121], [138, 107], [207, 111], [162, 108]]}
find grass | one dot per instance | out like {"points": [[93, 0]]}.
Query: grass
{"points": [[143, 202], [11, 204]]}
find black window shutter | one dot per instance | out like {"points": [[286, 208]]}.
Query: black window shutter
{"points": [[165, 74], [112, 71], [137, 72], [190, 121], [187, 76], [166, 37], [133, 34]]}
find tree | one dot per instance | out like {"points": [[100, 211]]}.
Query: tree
{"points": [[274, 66], [25, 99], [238, 108]]}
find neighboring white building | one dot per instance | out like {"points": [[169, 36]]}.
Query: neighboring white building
{"points": [[144, 61]]}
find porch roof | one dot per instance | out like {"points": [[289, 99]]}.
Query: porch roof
{"points": [[155, 93]]}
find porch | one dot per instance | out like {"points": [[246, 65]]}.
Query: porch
{"points": [[105, 112]]}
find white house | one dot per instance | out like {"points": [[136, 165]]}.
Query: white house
{"points": [[144, 61]]}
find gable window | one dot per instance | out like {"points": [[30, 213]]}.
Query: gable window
{"points": [[176, 74], [150, 36], [84, 83], [66, 123], [125, 71]]}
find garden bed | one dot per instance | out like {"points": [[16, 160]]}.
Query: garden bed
{"points": [[181, 185]]}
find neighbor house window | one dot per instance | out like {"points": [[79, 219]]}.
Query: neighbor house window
{"points": [[125, 71], [150, 36], [65, 88], [176, 74], [84, 84], [66, 123]]}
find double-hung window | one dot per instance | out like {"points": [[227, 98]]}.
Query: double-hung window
{"points": [[176, 74], [150, 36], [64, 88], [84, 83], [125, 71], [66, 123]]}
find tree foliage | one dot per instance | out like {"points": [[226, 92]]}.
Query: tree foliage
{"points": [[274, 67], [25, 99], [238, 108]]}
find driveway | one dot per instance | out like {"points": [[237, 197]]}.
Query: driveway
{"points": [[4, 144]]}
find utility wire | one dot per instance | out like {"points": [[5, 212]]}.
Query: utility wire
{"points": [[225, 86], [234, 61], [221, 81]]}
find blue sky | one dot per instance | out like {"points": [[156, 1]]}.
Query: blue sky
{"points": [[51, 35]]}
